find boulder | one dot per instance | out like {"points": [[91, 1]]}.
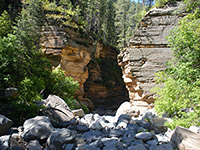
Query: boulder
{"points": [[106, 123], [38, 128], [195, 129], [115, 133], [137, 147], [34, 145], [80, 141], [96, 125], [132, 127], [89, 119], [149, 114], [168, 146], [5, 125], [62, 136], [145, 136], [93, 135], [68, 147], [55, 145], [78, 112], [144, 124], [113, 144], [87, 147], [15, 143], [158, 124], [127, 108], [4, 142], [185, 139], [57, 110], [82, 128]]}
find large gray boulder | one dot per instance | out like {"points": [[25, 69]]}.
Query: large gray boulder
{"points": [[185, 139], [4, 142], [38, 128], [62, 136], [127, 108], [5, 125], [57, 110]]}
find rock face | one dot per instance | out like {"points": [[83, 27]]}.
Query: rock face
{"points": [[104, 85], [79, 56], [147, 53], [67, 49]]}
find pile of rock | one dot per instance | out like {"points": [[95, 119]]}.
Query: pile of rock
{"points": [[91, 132], [94, 132]]}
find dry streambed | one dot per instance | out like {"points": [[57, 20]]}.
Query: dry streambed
{"points": [[95, 132]]}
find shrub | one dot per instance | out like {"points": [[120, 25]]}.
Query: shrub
{"points": [[65, 87], [23, 66], [162, 3], [5, 24], [180, 97]]}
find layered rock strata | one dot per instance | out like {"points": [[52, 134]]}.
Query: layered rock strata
{"points": [[147, 53], [66, 50], [81, 57]]}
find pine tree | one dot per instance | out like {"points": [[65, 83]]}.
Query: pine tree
{"points": [[122, 7], [110, 29]]}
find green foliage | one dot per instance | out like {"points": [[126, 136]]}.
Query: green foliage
{"points": [[65, 87], [99, 18], [192, 6], [162, 3], [128, 15], [5, 24], [28, 27], [10, 60], [23, 66], [85, 108], [63, 12], [181, 81]]}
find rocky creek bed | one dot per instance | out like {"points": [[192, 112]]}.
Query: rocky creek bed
{"points": [[92, 132]]}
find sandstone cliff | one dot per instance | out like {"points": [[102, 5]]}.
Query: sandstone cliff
{"points": [[147, 53], [81, 57]]}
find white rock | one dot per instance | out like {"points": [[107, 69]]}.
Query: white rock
{"points": [[194, 129], [4, 140], [57, 109], [126, 108], [144, 136]]}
